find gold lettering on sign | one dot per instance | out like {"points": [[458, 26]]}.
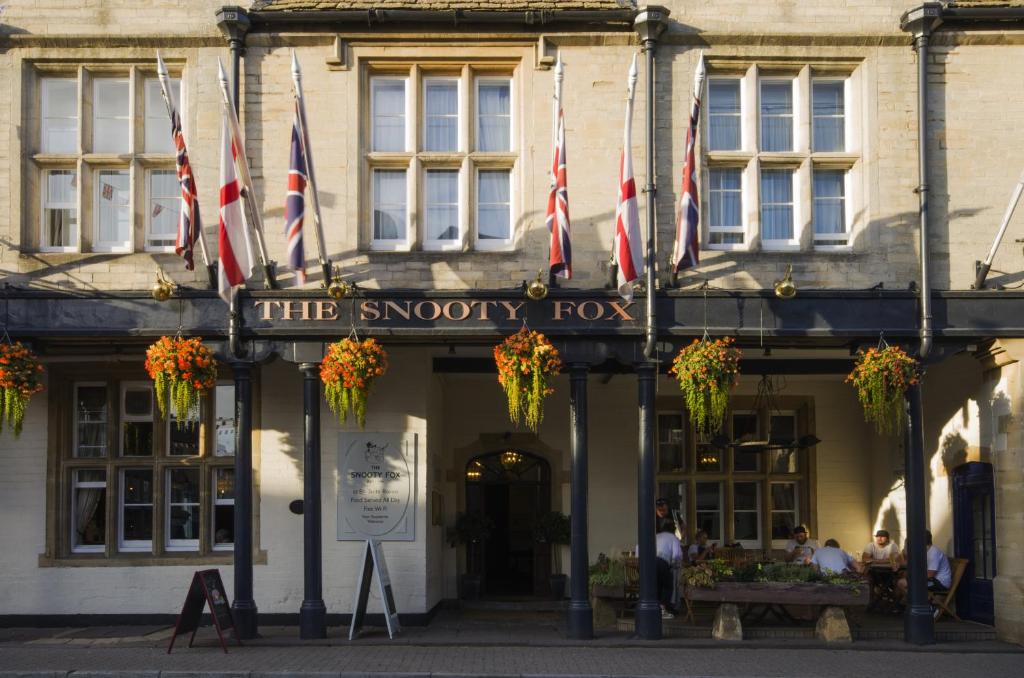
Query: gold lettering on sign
{"points": [[326, 310], [563, 308], [463, 313], [513, 310], [267, 306], [403, 313], [291, 307], [435, 314], [620, 311], [368, 311], [484, 305], [581, 310]]}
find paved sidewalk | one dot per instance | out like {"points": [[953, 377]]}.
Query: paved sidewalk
{"points": [[500, 644]]}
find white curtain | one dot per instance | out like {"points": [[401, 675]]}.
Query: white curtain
{"points": [[724, 115], [493, 212], [87, 499], [494, 106], [828, 110], [442, 112], [726, 203], [112, 194], [388, 115], [777, 204], [828, 203], [442, 208], [777, 116], [389, 210], [110, 107], [60, 115]]}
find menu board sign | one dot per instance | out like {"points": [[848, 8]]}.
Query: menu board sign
{"points": [[377, 486]]}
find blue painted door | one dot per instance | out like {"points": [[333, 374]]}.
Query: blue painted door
{"points": [[974, 538]]}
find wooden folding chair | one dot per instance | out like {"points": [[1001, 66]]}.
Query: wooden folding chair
{"points": [[945, 600]]}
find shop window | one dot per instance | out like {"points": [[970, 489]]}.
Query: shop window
{"points": [[741, 484], [441, 158], [102, 145], [781, 152], [138, 485]]}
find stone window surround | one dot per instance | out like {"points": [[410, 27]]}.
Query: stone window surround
{"points": [[803, 407], [137, 161], [61, 466], [468, 67], [802, 161]]}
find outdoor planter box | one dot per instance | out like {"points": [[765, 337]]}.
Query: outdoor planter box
{"points": [[782, 593], [602, 591]]}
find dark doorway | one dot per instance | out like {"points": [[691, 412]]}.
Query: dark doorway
{"points": [[513, 489], [974, 538]]}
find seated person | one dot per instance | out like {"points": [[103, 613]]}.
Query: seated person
{"points": [[670, 555], [940, 575], [700, 549], [834, 560], [882, 551], [800, 548]]}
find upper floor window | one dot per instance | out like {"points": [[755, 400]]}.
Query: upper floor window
{"points": [[441, 159], [782, 159], [105, 161]]}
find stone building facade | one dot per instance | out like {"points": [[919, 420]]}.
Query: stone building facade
{"points": [[816, 106]]}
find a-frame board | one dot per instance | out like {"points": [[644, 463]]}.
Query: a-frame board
{"points": [[373, 559]]}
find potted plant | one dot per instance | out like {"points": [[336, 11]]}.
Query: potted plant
{"points": [[882, 376], [525, 362], [181, 369], [707, 371], [347, 372], [554, 528], [607, 577], [472, 529], [20, 375]]}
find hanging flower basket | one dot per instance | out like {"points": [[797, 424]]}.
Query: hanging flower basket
{"points": [[882, 377], [347, 372], [181, 369], [707, 371], [20, 374], [525, 361]]}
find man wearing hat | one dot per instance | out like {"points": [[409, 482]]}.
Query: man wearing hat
{"points": [[881, 550], [800, 548]]}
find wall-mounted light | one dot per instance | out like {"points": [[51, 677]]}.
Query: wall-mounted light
{"points": [[338, 288], [785, 289], [510, 459], [537, 290], [163, 288]]}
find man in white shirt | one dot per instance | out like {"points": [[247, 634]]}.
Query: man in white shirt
{"points": [[832, 559], [800, 548], [882, 550], [940, 576], [670, 554]]}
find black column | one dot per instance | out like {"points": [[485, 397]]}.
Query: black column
{"points": [[313, 613], [243, 609], [918, 624], [581, 616], [648, 611]]}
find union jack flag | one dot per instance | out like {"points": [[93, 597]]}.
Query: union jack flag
{"points": [[686, 251], [189, 223], [560, 259], [295, 203]]}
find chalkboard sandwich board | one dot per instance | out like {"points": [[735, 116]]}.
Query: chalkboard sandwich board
{"points": [[206, 588]]}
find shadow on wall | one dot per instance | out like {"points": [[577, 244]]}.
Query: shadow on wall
{"points": [[953, 450]]}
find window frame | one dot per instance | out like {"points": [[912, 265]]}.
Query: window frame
{"points": [[135, 545], [148, 202], [743, 228], [744, 144], [468, 74], [794, 118], [375, 81], [112, 246], [60, 538], [183, 545], [72, 509], [130, 118], [44, 193], [796, 220], [826, 79], [842, 240]]}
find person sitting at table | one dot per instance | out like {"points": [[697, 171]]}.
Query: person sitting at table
{"points": [[940, 575], [834, 560], [670, 555], [881, 551], [800, 548], [700, 549]]}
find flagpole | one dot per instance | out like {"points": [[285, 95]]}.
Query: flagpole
{"points": [[318, 231], [556, 108], [172, 106], [242, 164]]}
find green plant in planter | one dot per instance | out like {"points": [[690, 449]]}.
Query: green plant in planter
{"points": [[470, 529], [608, 572], [554, 528]]}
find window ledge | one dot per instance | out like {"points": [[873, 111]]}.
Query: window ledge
{"points": [[184, 558]]}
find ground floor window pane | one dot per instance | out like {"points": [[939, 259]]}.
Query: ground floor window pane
{"points": [[136, 510], [709, 509], [183, 509], [89, 507], [785, 514], [223, 508]]}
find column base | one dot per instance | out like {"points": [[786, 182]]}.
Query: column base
{"points": [[312, 620], [244, 614], [919, 625], [648, 620], [580, 621]]}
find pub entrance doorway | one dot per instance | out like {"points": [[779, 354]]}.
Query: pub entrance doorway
{"points": [[513, 489]]}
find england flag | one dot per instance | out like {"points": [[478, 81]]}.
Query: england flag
{"points": [[628, 250], [235, 250]]}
